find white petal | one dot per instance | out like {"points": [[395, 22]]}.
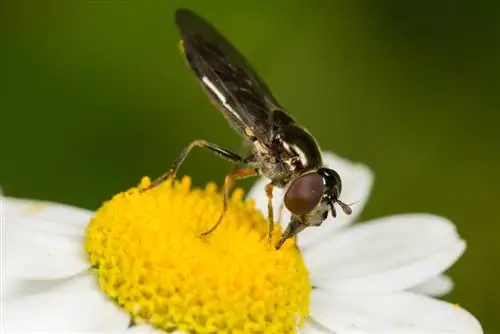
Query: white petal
{"points": [[13, 288], [49, 226], [385, 255], [37, 249], [357, 181], [435, 287], [400, 313], [311, 327], [46, 211], [75, 305]]}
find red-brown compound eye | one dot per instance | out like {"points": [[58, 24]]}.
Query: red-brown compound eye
{"points": [[304, 193]]}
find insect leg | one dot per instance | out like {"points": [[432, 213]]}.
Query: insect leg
{"points": [[270, 213], [248, 160], [219, 151], [228, 182]]}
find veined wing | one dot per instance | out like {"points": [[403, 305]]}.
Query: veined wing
{"points": [[229, 80]]}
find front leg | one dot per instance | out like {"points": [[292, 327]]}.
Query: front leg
{"points": [[228, 183]]}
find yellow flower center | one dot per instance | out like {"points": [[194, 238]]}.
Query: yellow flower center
{"points": [[151, 259]]}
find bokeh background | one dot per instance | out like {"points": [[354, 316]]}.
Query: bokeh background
{"points": [[95, 95]]}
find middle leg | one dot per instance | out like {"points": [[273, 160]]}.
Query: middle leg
{"points": [[270, 211], [228, 182]]}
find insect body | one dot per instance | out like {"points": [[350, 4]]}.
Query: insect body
{"points": [[281, 150]]}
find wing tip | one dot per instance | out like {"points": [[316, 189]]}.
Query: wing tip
{"points": [[181, 14], [185, 18]]}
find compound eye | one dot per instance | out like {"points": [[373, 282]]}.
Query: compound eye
{"points": [[304, 193]]}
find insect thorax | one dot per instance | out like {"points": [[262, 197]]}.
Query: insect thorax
{"points": [[293, 152]]}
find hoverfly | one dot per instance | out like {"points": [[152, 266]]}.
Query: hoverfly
{"points": [[281, 150]]}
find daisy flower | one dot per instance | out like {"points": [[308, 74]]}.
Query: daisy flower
{"points": [[138, 265]]}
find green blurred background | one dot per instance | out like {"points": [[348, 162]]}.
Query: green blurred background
{"points": [[95, 95]]}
